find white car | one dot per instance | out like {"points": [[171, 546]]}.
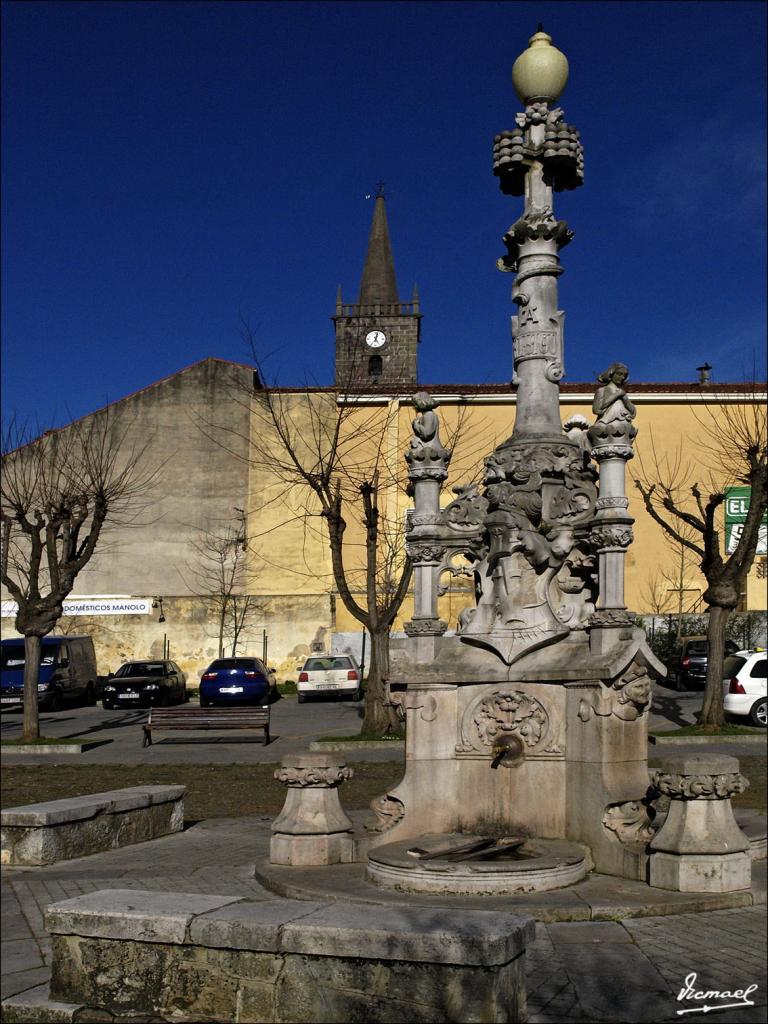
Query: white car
{"points": [[328, 674], [745, 686]]}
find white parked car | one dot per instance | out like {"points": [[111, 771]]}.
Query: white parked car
{"points": [[328, 674], [745, 686]]}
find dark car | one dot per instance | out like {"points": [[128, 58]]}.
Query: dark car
{"points": [[688, 665], [245, 681], [143, 683]]}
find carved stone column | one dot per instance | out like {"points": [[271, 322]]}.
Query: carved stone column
{"points": [[700, 848], [611, 439], [312, 827], [428, 464]]}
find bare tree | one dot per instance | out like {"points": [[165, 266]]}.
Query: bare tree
{"points": [[57, 494], [732, 449], [655, 593], [220, 573], [341, 465], [339, 473]]}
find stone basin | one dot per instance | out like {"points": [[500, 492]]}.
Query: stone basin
{"points": [[537, 865]]}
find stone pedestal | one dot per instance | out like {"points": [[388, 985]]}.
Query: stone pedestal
{"points": [[539, 751], [312, 827], [700, 848]]}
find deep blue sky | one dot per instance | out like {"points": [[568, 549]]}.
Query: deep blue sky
{"points": [[168, 167]]}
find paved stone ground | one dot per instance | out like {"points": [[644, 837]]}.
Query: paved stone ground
{"points": [[293, 727], [629, 970]]}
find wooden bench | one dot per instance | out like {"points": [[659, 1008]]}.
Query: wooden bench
{"points": [[189, 719]]}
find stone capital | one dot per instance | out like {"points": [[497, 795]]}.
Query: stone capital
{"points": [[700, 777], [425, 627], [611, 535], [425, 552], [602, 452], [317, 771]]}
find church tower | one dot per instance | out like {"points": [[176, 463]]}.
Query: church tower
{"points": [[376, 337]]}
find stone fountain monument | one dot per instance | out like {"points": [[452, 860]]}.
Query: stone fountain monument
{"points": [[527, 729], [530, 723]]}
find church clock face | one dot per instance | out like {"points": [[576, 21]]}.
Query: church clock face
{"points": [[375, 339]]}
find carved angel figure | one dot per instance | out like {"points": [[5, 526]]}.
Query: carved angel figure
{"points": [[613, 409], [611, 402], [426, 424], [575, 428], [426, 447]]}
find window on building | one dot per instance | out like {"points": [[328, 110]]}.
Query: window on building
{"points": [[375, 366]]}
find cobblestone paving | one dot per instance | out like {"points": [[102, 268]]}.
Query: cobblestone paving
{"points": [[551, 994]]}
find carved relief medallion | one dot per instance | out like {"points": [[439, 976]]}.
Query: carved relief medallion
{"points": [[501, 713]]}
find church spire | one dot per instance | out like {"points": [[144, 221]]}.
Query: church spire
{"points": [[378, 283]]}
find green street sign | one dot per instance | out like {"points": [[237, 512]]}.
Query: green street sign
{"points": [[736, 508]]}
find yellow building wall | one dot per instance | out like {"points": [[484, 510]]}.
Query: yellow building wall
{"points": [[658, 578]]}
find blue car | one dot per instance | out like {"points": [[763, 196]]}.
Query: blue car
{"points": [[244, 681]]}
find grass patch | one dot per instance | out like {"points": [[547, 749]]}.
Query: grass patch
{"points": [[40, 741], [288, 688], [711, 730], [213, 790]]}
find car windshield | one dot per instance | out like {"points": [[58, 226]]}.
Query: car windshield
{"points": [[228, 663], [13, 657], [140, 668], [327, 664]]}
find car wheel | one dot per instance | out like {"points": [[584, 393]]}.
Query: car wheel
{"points": [[57, 703], [204, 703], [301, 698], [758, 714], [90, 696], [355, 695], [106, 705]]}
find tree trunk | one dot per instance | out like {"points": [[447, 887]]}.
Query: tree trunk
{"points": [[31, 727], [712, 712], [380, 718], [222, 622]]}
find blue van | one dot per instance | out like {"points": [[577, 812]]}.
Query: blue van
{"points": [[67, 672]]}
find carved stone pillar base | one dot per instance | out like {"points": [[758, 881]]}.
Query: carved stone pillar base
{"points": [[608, 628], [424, 637], [312, 827], [304, 851], [701, 872], [700, 848]]}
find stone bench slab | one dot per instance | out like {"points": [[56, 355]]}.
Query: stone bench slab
{"points": [[189, 957], [422, 934], [80, 808], [45, 833]]}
